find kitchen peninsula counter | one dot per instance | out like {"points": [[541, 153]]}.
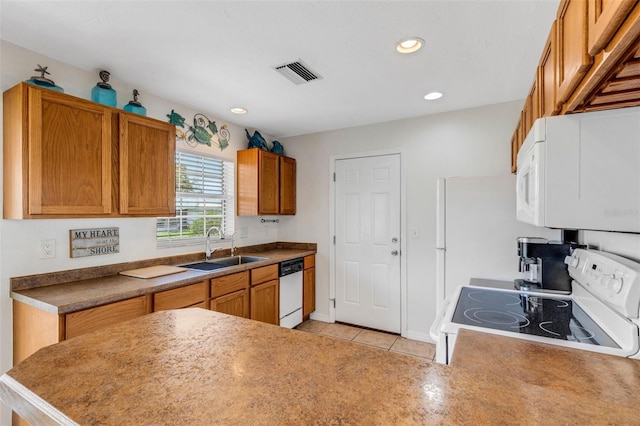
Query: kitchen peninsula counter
{"points": [[195, 366]]}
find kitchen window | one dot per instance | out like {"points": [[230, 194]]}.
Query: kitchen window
{"points": [[204, 198]]}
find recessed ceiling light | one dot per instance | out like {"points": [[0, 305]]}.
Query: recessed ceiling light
{"points": [[433, 96], [238, 110], [410, 45]]}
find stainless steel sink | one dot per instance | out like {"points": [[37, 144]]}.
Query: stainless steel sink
{"points": [[222, 262], [236, 260], [205, 266]]}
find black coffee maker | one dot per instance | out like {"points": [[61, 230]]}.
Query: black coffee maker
{"points": [[542, 261]]}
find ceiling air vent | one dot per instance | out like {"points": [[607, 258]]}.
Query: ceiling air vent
{"points": [[297, 72]]}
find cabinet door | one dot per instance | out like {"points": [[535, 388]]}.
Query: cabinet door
{"points": [[547, 76], [287, 185], [147, 166], [181, 297], [573, 58], [605, 16], [268, 183], [69, 155], [236, 303], [265, 304], [308, 292], [91, 319]]}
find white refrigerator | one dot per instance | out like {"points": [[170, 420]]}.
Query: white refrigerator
{"points": [[477, 231]]}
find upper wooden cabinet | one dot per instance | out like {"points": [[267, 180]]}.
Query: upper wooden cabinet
{"points": [[573, 60], [591, 61], [69, 157], [265, 183], [57, 155], [546, 75], [605, 17], [147, 166], [287, 185]]}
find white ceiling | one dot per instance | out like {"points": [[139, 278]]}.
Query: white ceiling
{"points": [[214, 55]]}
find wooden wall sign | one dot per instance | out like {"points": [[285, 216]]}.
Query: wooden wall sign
{"points": [[94, 241]]}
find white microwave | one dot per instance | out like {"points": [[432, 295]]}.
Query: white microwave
{"points": [[582, 171]]}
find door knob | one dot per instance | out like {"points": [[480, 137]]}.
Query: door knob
{"points": [[394, 253], [394, 240]]}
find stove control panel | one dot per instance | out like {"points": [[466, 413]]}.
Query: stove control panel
{"points": [[613, 279]]}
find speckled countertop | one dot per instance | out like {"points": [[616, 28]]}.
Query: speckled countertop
{"points": [[195, 366], [73, 293]]}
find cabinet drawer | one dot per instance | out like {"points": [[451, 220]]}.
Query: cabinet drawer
{"points": [[180, 297], [81, 322], [266, 273], [229, 283], [309, 262]]}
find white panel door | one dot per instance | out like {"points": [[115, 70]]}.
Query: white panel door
{"points": [[367, 263]]}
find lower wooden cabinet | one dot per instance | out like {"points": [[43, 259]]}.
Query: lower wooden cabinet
{"points": [[230, 294], [81, 322], [265, 294], [236, 303], [309, 287], [265, 304], [194, 295]]}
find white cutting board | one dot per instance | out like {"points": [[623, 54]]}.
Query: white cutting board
{"points": [[153, 271]]}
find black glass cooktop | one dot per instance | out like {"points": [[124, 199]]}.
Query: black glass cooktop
{"points": [[557, 318]]}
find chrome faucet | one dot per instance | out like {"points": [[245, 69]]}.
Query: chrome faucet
{"points": [[208, 251]]}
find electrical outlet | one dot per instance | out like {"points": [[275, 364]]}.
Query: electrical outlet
{"points": [[47, 249]]}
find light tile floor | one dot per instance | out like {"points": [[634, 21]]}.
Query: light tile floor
{"points": [[377, 339]]}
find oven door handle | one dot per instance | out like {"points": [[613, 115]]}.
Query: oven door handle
{"points": [[436, 327]]}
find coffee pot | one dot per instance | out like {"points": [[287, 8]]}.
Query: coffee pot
{"points": [[542, 262]]}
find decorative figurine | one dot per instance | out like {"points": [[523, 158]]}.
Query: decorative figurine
{"points": [[202, 131], [256, 141], [277, 148], [103, 92], [176, 119], [135, 106], [42, 81]]}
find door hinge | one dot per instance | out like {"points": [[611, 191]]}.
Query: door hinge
{"points": [[334, 240], [334, 176], [334, 303]]}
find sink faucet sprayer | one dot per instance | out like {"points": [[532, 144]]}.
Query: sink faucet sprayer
{"points": [[233, 244]]}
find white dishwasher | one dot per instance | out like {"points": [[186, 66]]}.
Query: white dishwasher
{"points": [[291, 292]]}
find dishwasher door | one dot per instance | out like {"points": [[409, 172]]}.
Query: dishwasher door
{"points": [[291, 296]]}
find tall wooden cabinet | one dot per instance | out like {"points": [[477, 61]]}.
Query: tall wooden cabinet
{"points": [[265, 183], [69, 157]]}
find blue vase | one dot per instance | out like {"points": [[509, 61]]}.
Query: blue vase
{"points": [[103, 93], [42, 81], [134, 106]]}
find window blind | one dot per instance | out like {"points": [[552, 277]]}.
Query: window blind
{"points": [[204, 198]]}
